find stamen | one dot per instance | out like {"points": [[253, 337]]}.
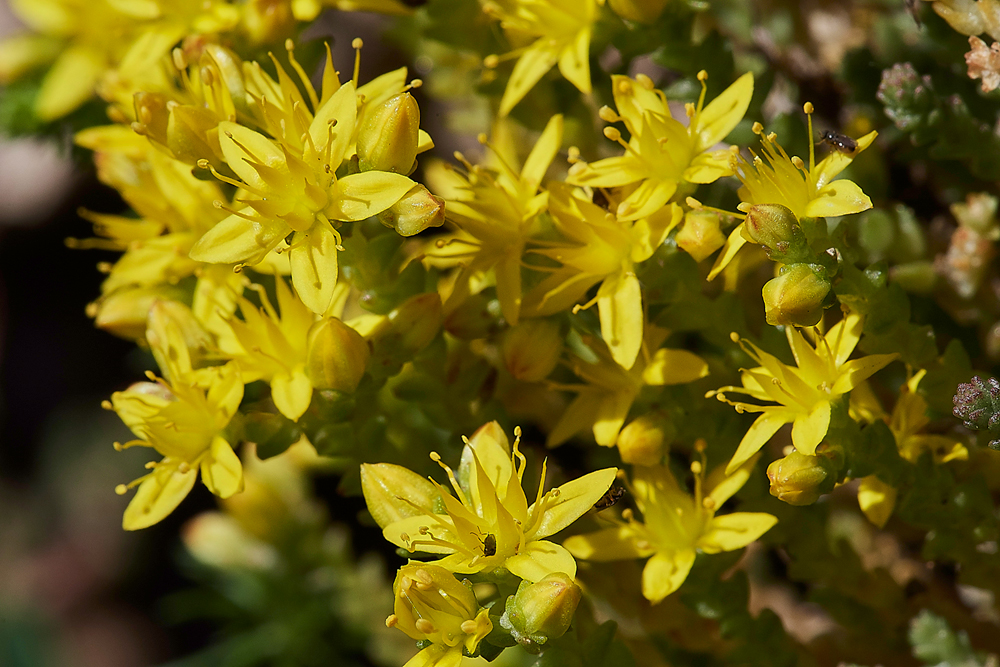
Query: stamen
{"points": [[451, 475], [356, 45], [290, 48]]}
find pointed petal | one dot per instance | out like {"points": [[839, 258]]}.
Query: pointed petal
{"points": [[610, 417], [722, 486], [575, 499], [858, 370], [536, 60], [722, 114], [291, 393], [665, 572], [69, 82], [437, 655], [314, 267], [735, 531], [648, 198], [670, 366], [877, 499], [333, 126], [836, 162], [757, 435], [539, 559], [221, 471], [158, 496], [543, 153], [619, 301], [240, 144], [579, 415], [610, 172], [236, 240], [607, 544], [574, 61], [808, 430], [734, 242], [842, 197], [360, 196], [508, 278]]}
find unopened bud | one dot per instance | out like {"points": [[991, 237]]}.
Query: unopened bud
{"points": [[393, 492], [795, 297], [541, 611], [151, 112], [799, 479], [388, 139], [476, 317], [416, 211], [643, 441], [640, 11], [191, 133], [531, 350], [124, 312], [777, 229], [336, 356], [700, 236]]}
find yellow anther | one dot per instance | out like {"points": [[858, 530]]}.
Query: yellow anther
{"points": [[757, 127], [708, 503], [391, 620], [696, 467], [612, 133], [121, 489], [703, 75], [491, 61], [424, 626], [693, 203], [357, 43], [808, 107]]}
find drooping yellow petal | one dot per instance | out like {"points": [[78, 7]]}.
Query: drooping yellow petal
{"points": [[508, 280], [877, 499], [721, 485], [576, 497], [221, 471], [669, 366], [665, 572], [734, 531], [607, 544], [612, 409], [619, 301], [579, 415], [158, 496], [313, 259], [536, 60], [539, 559], [808, 430]]}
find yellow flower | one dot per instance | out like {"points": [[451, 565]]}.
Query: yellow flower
{"points": [[183, 417], [777, 178], [273, 347], [675, 526], [432, 606], [292, 188], [604, 402], [661, 152], [606, 250], [801, 395], [551, 32], [488, 524], [496, 211]]}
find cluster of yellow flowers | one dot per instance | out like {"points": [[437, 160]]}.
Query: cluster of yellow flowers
{"points": [[245, 183]]}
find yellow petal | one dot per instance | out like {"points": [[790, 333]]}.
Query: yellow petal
{"points": [[619, 301], [665, 572], [508, 280], [808, 430], [607, 544], [709, 167], [313, 259], [836, 162], [757, 435], [575, 499], [69, 82], [721, 486], [492, 449], [674, 367], [539, 559], [648, 198], [237, 240], [722, 114], [579, 415], [610, 172], [241, 146], [360, 196], [735, 531], [291, 393], [857, 370], [877, 499], [221, 471], [842, 197], [410, 526], [333, 140], [536, 60], [612, 410], [543, 153], [574, 61], [393, 492], [734, 242], [22, 53], [437, 655], [158, 496]]}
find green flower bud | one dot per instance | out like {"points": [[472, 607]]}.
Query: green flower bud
{"points": [[336, 356], [700, 236], [531, 350], [795, 297], [799, 479], [777, 229], [417, 210], [388, 140], [643, 441], [541, 611]]}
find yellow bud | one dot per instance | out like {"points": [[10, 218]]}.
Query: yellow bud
{"points": [[219, 541], [776, 228], [336, 356], [416, 211], [640, 11], [531, 350], [795, 297], [388, 140], [541, 611], [799, 479], [432, 605], [643, 441], [393, 492], [151, 115], [192, 134], [268, 21], [700, 236], [124, 311]]}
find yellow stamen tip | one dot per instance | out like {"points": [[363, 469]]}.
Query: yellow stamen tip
{"points": [[808, 107], [708, 503], [735, 337], [289, 45], [757, 127], [391, 621], [357, 43], [121, 489], [702, 75], [693, 203], [696, 467], [491, 61], [700, 444]]}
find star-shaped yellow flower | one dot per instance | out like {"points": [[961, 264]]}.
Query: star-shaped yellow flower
{"points": [[801, 395], [675, 526]]}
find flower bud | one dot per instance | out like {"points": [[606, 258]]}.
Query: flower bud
{"points": [[124, 312], [476, 317], [795, 297], [642, 442], [385, 485], [541, 611], [219, 541], [151, 116], [799, 479], [416, 211], [700, 236], [640, 11], [777, 229], [415, 323], [531, 350], [388, 140], [336, 356], [268, 21], [432, 605], [192, 135]]}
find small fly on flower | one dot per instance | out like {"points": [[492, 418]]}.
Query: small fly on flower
{"points": [[839, 142], [610, 498], [489, 545]]}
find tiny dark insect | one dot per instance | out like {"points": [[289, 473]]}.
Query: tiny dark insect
{"points": [[610, 497], [840, 142], [489, 544]]}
